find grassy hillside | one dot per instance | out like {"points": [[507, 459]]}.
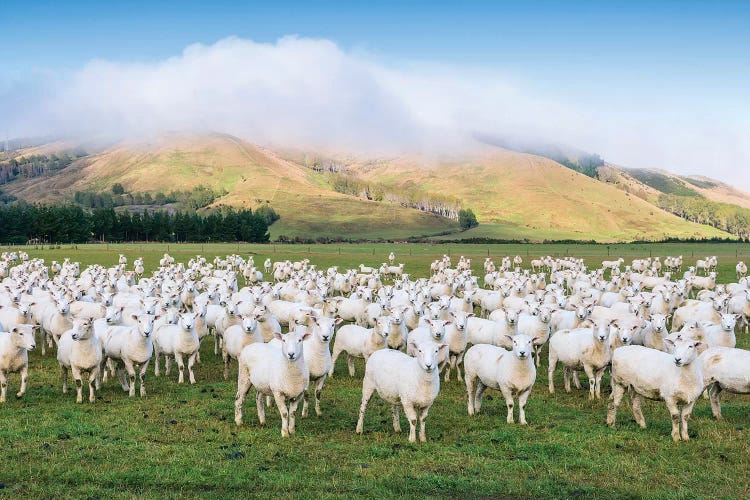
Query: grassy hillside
{"points": [[523, 196], [249, 174], [515, 195]]}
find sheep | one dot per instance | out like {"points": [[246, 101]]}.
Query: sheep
{"points": [[391, 258], [318, 358], [536, 326], [177, 341], [714, 335], [741, 269], [512, 373], [282, 373], [413, 382], [236, 337], [15, 345], [129, 346], [485, 331], [567, 320], [725, 369], [359, 342], [398, 332], [80, 351], [457, 339], [670, 377], [586, 348], [433, 330]]}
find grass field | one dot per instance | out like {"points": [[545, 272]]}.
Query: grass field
{"points": [[180, 441]]}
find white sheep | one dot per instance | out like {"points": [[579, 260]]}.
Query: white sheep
{"points": [[670, 377], [433, 330], [282, 373], [80, 351], [725, 369], [128, 347], [15, 345], [318, 358], [399, 379], [359, 342], [586, 348], [512, 373], [236, 337], [456, 338], [176, 341], [741, 269]]}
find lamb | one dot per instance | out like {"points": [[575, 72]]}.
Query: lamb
{"points": [[80, 351], [586, 348], [725, 369], [236, 337], [456, 338], [282, 373], [15, 345], [413, 382], [177, 341], [318, 358], [741, 269], [673, 378], [129, 346], [359, 342], [512, 373]]}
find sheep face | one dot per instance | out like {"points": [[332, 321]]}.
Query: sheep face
{"points": [[187, 320], [523, 345], [82, 329], [659, 322], [23, 337], [728, 322], [292, 342], [249, 323], [685, 350], [427, 354]]}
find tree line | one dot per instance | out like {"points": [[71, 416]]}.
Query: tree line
{"points": [[199, 197], [438, 204], [21, 223], [35, 165], [724, 216]]}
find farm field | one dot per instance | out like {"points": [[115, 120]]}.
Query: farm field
{"points": [[180, 440]]}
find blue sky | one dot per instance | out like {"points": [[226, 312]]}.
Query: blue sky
{"points": [[638, 61]]}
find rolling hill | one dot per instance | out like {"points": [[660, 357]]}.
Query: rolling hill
{"points": [[515, 195]]}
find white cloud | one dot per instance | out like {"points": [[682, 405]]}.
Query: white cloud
{"points": [[310, 93]]}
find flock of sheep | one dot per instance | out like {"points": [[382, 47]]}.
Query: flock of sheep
{"points": [[637, 320]]}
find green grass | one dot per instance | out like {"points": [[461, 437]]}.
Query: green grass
{"points": [[181, 440], [663, 183]]}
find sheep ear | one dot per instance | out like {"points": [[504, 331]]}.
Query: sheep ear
{"points": [[470, 315], [669, 342], [535, 339], [509, 337], [448, 323], [277, 335], [338, 320], [413, 344], [442, 346]]}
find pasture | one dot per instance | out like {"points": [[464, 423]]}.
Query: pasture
{"points": [[180, 440]]}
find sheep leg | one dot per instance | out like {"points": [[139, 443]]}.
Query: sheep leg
{"points": [[142, 377], [396, 418], [79, 383], [566, 377], [24, 375], [637, 411], [168, 363], [618, 391], [367, 389], [180, 367], [261, 407], [589, 370], [551, 371], [687, 410], [92, 382], [283, 411], [478, 395], [318, 391], [598, 377], [411, 415], [350, 364], [131, 377], [469, 379], [243, 386], [537, 355], [522, 398], [459, 362], [714, 393], [336, 352], [191, 363], [576, 379], [451, 364], [674, 412], [64, 372], [156, 362], [292, 414], [508, 395], [216, 343], [422, 419], [3, 385], [304, 401], [225, 357]]}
